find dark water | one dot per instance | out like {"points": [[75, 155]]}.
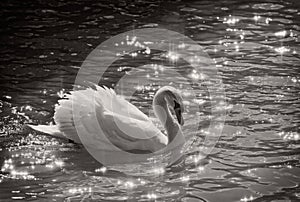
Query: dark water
{"points": [[255, 47]]}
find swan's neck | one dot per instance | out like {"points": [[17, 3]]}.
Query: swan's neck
{"points": [[163, 113]]}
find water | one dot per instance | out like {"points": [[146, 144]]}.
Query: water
{"points": [[255, 46]]}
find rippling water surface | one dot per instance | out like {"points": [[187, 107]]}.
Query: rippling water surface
{"points": [[255, 47]]}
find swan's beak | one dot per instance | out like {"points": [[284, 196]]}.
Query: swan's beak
{"points": [[179, 116]]}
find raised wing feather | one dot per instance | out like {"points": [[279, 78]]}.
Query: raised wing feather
{"points": [[102, 117], [116, 103]]}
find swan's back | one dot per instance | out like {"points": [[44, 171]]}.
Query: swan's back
{"points": [[120, 122]]}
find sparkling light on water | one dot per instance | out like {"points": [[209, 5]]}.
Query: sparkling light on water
{"points": [[129, 184], [289, 135], [134, 54], [246, 199], [80, 190], [281, 50], [147, 51], [182, 45], [196, 75], [59, 163], [14, 173], [158, 170], [230, 20], [256, 18], [201, 168], [102, 170], [282, 33], [185, 178], [152, 196], [172, 56], [131, 41], [268, 20]]}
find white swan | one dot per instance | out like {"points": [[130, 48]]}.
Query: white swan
{"points": [[121, 123]]}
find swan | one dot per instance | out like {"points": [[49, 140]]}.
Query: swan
{"points": [[121, 123]]}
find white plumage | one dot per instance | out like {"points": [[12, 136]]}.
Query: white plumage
{"points": [[102, 118]]}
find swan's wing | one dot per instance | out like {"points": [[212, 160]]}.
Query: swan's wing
{"points": [[117, 104], [103, 109], [65, 121], [125, 125], [76, 113], [52, 130], [130, 134]]}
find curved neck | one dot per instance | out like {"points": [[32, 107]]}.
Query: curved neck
{"points": [[163, 113]]}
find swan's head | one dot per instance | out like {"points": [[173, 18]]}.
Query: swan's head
{"points": [[174, 101]]}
